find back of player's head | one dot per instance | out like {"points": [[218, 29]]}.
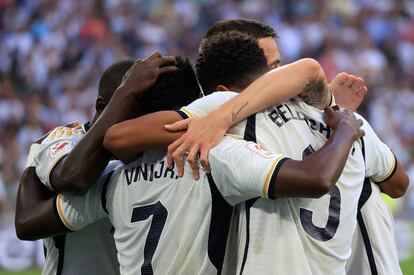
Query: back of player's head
{"points": [[172, 90], [251, 27], [232, 59], [112, 78]]}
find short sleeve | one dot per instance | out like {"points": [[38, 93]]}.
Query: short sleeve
{"points": [[244, 170], [34, 149], [206, 104], [76, 212], [380, 161], [53, 148]]}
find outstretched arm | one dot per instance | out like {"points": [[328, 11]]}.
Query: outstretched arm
{"points": [[125, 140]]}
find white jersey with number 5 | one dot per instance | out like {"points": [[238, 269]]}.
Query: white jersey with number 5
{"points": [[295, 235], [169, 225]]}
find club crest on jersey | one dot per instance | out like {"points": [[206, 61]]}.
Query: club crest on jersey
{"points": [[258, 149], [59, 147]]}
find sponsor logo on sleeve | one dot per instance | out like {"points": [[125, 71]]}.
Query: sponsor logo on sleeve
{"points": [[258, 149], [60, 147]]}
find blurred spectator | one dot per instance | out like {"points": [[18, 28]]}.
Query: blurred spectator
{"points": [[53, 52]]}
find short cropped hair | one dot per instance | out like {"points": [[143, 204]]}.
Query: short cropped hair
{"points": [[251, 27], [233, 59], [112, 78]]}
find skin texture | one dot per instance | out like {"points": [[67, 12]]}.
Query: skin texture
{"points": [[397, 185], [271, 51]]}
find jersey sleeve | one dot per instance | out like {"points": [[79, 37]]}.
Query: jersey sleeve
{"points": [[380, 161], [244, 170], [34, 149], [76, 212], [206, 104], [53, 148]]}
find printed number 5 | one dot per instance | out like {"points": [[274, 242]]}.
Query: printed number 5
{"points": [[328, 232], [159, 213]]}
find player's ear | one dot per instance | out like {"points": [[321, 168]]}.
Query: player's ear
{"points": [[222, 88], [100, 104]]}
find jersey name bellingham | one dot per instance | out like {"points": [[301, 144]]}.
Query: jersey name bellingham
{"points": [[282, 114]]}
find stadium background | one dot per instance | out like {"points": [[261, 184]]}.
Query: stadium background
{"points": [[52, 53]]}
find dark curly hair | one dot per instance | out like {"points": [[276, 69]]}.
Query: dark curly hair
{"points": [[233, 59], [172, 90]]}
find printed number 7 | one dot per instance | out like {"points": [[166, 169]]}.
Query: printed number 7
{"points": [[159, 213]]}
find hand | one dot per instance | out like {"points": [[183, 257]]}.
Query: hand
{"points": [[144, 73], [203, 134], [349, 90], [344, 121]]}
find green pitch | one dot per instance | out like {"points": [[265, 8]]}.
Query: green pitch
{"points": [[406, 266], [33, 271]]}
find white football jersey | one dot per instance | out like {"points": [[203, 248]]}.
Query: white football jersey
{"points": [[374, 249], [318, 232], [170, 225], [88, 251]]}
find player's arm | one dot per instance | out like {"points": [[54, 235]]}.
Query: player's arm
{"points": [[396, 185], [80, 169], [243, 170], [382, 165], [126, 139], [35, 218], [34, 201], [41, 214]]}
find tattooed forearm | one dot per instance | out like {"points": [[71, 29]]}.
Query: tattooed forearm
{"points": [[235, 113], [316, 93]]}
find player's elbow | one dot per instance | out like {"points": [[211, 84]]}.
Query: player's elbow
{"points": [[321, 185], [312, 67], [22, 230], [400, 189], [69, 183], [114, 140]]}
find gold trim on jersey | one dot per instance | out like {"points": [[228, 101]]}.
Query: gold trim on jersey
{"points": [[269, 175], [187, 112], [389, 171], [62, 215]]}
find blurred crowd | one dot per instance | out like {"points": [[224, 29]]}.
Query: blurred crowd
{"points": [[52, 53]]}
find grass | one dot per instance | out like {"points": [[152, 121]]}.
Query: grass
{"points": [[32, 271], [406, 266]]}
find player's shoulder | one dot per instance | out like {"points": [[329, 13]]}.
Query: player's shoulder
{"points": [[73, 130], [217, 97]]}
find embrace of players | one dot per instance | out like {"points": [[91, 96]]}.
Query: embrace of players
{"points": [[270, 172]]}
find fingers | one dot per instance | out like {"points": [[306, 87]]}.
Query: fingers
{"points": [[362, 91], [358, 83], [178, 126], [168, 69], [191, 158], [329, 115], [165, 59], [171, 149], [153, 56], [178, 158], [204, 159], [341, 78]]}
